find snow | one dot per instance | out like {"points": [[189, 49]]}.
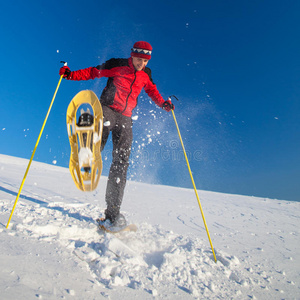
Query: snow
{"points": [[85, 156], [52, 248]]}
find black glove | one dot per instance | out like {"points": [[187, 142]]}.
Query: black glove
{"points": [[168, 105]]}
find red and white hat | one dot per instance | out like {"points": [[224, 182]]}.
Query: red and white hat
{"points": [[141, 49]]}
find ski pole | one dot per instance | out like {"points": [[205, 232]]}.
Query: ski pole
{"points": [[33, 152], [193, 182]]}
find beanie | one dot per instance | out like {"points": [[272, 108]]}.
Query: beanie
{"points": [[141, 49]]}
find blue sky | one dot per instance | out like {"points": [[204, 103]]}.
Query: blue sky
{"points": [[234, 65]]}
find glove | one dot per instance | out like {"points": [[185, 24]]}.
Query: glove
{"points": [[168, 105], [65, 71]]}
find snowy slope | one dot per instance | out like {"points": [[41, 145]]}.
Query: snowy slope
{"points": [[53, 249]]}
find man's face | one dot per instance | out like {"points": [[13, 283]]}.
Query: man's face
{"points": [[139, 63]]}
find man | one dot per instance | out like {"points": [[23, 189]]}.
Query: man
{"points": [[126, 78]]}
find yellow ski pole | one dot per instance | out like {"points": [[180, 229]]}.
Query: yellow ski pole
{"points": [[33, 152], [194, 185]]}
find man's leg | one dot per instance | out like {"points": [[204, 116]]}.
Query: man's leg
{"points": [[108, 123], [122, 140]]}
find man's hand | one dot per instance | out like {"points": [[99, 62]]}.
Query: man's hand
{"points": [[65, 71], [168, 106]]}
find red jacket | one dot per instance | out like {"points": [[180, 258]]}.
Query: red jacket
{"points": [[124, 84]]}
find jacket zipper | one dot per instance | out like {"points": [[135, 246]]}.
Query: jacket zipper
{"points": [[129, 92]]}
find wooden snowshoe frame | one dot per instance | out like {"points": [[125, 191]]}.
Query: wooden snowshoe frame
{"points": [[86, 176]]}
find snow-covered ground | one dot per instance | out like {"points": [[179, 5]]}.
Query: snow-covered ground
{"points": [[53, 250]]}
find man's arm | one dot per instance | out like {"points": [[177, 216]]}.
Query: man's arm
{"points": [[85, 74], [151, 90], [109, 68]]}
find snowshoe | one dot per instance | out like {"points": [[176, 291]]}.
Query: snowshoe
{"points": [[85, 140], [119, 225]]}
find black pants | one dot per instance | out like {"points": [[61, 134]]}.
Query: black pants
{"points": [[121, 128]]}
